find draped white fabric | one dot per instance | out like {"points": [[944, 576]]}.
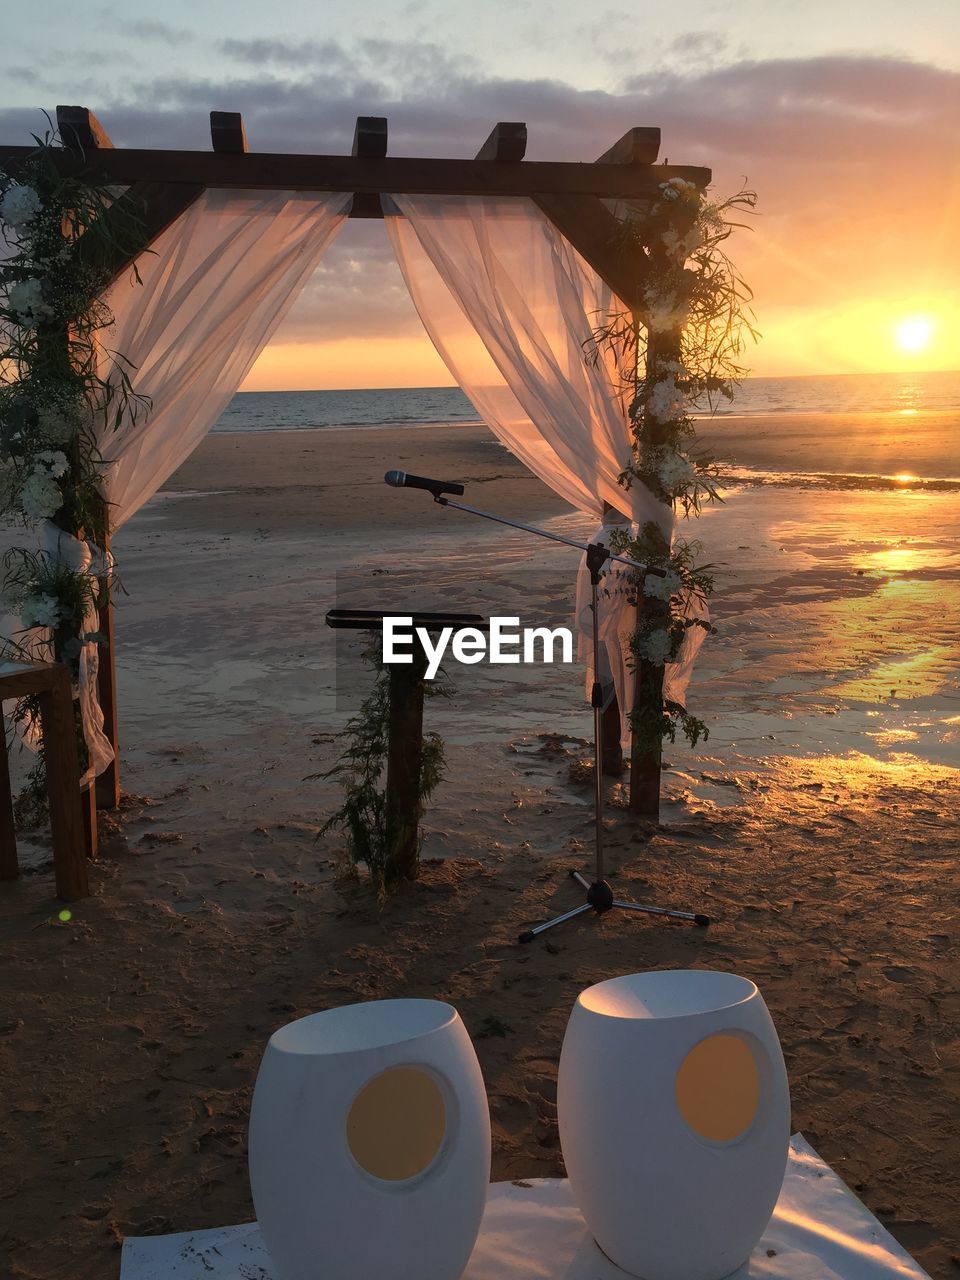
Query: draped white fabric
{"points": [[512, 308], [215, 285]]}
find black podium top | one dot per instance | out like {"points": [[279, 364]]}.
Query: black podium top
{"points": [[372, 619]]}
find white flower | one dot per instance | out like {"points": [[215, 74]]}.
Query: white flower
{"points": [[40, 496], [677, 188], [26, 301], [675, 471], [664, 310], [681, 247], [40, 611], [665, 401], [53, 461], [657, 647], [662, 588], [19, 205]]}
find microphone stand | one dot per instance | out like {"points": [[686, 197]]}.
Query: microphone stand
{"points": [[599, 893]]}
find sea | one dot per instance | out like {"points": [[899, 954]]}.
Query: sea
{"points": [[883, 393]]}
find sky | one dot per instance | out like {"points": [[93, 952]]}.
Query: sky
{"points": [[845, 119]]}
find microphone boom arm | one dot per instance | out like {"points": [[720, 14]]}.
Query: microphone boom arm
{"points": [[542, 533]]}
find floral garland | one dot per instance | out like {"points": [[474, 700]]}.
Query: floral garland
{"points": [[59, 240], [678, 352]]}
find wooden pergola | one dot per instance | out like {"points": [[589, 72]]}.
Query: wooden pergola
{"points": [[579, 199]]}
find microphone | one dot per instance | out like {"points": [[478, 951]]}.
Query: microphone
{"points": [[400, 480]]}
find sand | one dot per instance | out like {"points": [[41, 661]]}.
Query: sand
{"points": [[818, 826]]}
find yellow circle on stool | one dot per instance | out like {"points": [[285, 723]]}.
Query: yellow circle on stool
{"points": [[718, 1088], [396, 1124]]}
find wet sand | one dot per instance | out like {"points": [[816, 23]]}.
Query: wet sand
{"points": [[818, 826]]}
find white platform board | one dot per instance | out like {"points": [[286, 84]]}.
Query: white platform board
{"points": [[534, 1231]]}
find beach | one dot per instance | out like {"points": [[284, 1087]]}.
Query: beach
{"points": [[817, 826]]}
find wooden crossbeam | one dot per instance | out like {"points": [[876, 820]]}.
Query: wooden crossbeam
{"points": [[507, 142], [158, 204], [227, 133], [596, 235], [370, 142], [80, 130], [637, 146], [261, 171]]}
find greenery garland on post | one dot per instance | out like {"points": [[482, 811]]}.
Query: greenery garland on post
{"points": [[60, 237], [679, 351], [377, 838]]}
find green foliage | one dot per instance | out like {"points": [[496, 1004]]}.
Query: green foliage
{"points": [[63, 239], [361, 771]]}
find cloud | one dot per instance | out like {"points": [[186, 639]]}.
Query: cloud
{"points": [[306, 53], [854, 158], [161, 32]]}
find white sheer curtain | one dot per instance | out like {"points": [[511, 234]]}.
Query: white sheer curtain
{"points": [[512, 308], [215, 285]]}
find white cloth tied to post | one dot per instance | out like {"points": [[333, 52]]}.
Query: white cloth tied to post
{"points": [[512, 309], [84, 557]]}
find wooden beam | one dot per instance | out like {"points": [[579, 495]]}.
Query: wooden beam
{"points": [[227, 133], [80, 130], [597, 236], [157, 205], [369, 141], [370, 137], [637, 146], [507, 142], [161, 203], [262, 171]]}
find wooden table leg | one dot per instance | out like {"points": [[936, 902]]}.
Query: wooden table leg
{"points": [[9, 867], [91, 829], [404, 759], [63, 789]]}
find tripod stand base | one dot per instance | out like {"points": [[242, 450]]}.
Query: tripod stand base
{"points": [[600, 899]]}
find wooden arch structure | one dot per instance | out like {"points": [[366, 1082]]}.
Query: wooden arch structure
{"points": [[580, 199]]}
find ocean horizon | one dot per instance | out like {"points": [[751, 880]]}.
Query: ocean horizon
{"points": [[882, 393]]}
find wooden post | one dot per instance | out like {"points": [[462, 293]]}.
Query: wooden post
{"points": [[51, 683], [60, 756], [404, 759], [646, 760], [9, 867], [369, 141], [645, 764]]}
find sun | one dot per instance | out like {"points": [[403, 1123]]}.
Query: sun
{"points": [[914, 333]]}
